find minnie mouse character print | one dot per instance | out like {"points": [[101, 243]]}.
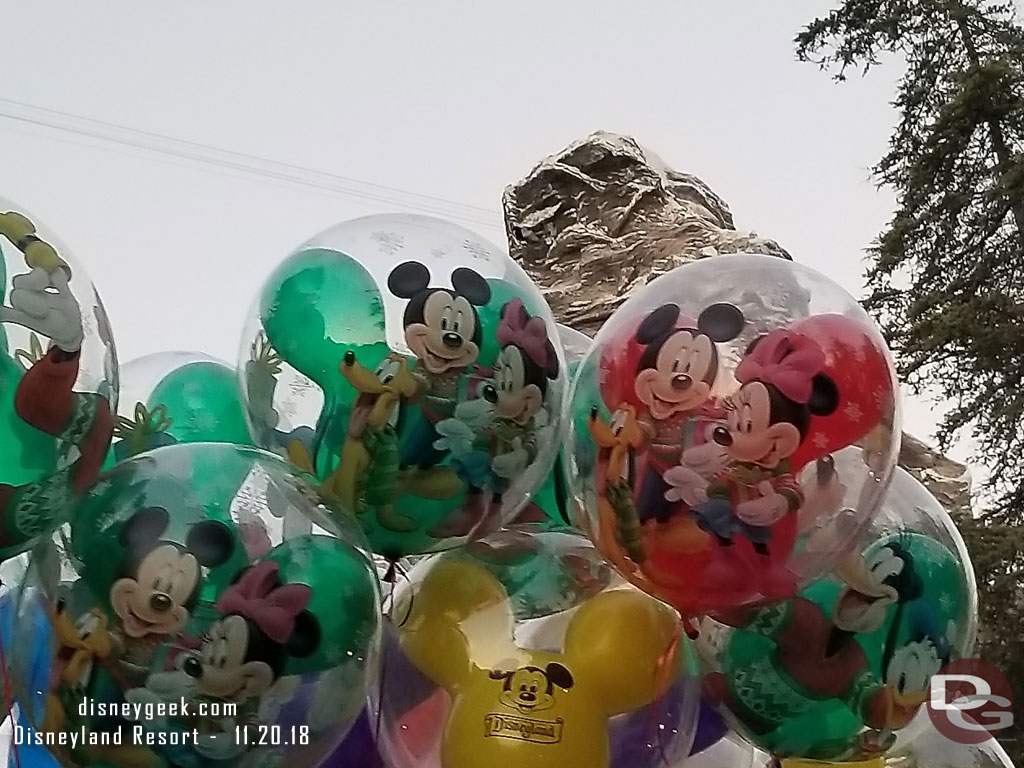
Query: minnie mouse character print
{"points": [[507, 444], [766, 421], [262, 624], [674, 380]]}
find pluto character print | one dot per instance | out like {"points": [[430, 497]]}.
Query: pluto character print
{"points": [[721, 438], [55, 388], [439, 379], [836, 672]]}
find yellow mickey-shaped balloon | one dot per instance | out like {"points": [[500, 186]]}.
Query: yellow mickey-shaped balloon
{"points": [[533, 709]]}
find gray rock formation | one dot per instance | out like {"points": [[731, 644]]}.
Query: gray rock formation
{"points": [[599, 220], [603, 217]]}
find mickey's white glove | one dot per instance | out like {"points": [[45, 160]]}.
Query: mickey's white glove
{"points": [[706, 460], [477, 413], [42, 301], [510, 464], [686, 485], [766, 510], [455, 436]]}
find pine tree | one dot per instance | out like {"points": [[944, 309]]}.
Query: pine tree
{"points": [[946, 279]]}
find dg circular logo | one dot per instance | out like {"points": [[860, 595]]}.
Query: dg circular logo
{"points": [[970, 700]]}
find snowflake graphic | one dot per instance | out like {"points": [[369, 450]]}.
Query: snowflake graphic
{"points": [[946, 602], [388, 242], [820, 440], [438, 253], [853, 412], [478, 251], [289, 408], [301, 385], [860, 355]]}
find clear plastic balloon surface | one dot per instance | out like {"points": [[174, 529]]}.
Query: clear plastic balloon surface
{"points": [[840, 672], [524, 650], [729, 410], [177, 397], [155, 630], [58, 381], [415, 370]]}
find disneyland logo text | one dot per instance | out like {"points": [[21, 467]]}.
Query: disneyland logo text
{"points": [[969, 701], [150, 710]]}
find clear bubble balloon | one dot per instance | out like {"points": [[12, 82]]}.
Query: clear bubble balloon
{"points": [[413, 368], [58, 380], [725, 409], [840, 672], [177, 397], [480, 672], [172, 636]]}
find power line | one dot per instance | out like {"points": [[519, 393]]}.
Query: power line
{"points": [[240, 161]]}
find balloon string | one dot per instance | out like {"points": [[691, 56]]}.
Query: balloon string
{"points": [[8, 694], [665, 667], [389, 578]]}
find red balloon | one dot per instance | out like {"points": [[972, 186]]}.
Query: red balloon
{"points": [[857, 360]]}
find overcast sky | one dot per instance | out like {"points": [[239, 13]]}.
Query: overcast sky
{"points": [[453, 99]]}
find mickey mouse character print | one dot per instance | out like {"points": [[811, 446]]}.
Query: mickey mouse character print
{"points": [[442, 329]]}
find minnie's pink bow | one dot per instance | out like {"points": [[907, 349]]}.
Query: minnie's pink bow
{"points": [[528, 333], [272, 609], [786, 360]]}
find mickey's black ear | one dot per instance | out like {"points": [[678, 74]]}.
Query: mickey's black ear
{"points": [[144, 528], [659, 322], [211, 542], [559, 675], [551, 371], [305, 637], [408, 279], [468, 283], [824, 396], [721, 322]]}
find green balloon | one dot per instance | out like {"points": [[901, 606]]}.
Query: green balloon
{"points": [[543, 571], [318, 305], [931, 616], [338, 575], [155, 553], [203, 404]]}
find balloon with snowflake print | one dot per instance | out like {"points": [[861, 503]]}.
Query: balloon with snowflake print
{"points": [[415, 370], [723, 409], [58, 381], [177, 397], [839, 672], [158, 598]]}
